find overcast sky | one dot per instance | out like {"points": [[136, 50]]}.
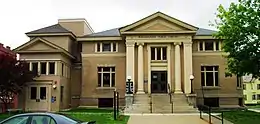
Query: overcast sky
{"points": [[20, 16]]}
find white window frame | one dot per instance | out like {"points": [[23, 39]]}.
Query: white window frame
{"points": [[214, 75], [155, 53], [110, 75], [214, 46], [101, 47], [47, 67]]}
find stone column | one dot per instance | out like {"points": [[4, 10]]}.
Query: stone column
{"points": [[130, 60], [177, 68], [187, 49], [169, 66], [140, 68]]}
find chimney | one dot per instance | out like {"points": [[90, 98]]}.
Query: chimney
{"points": [[7, 47], [1, 45]]}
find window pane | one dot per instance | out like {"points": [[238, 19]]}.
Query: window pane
{"points": [[51, 67], [216, 68], [209, 46], [201, 46], [209, 79], [114, 47], [52, 122], [202, 68], [202, 79], [99, 79], [99, 69], [33, 92], [40, 119], [43, 67], [152, 53], [17, 120], [217, 45], [163, 76], [209, 68], [159, 53], [106, 47], [216, 79], [106, 69], [61, 93], [106, 79], [258, 86], [113, 69], [164, 53], [113, 79], [27, 65], [35, 67], [43, 93], [98, 47]]}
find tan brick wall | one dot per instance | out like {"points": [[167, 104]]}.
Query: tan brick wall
{"points": [[75, 86]]}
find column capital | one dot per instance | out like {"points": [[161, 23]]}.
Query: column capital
{"points": [[187, 42], [130, 44], [140, 43], [177, 43]]}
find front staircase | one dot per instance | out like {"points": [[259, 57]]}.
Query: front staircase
{"points": [[160, 103]]}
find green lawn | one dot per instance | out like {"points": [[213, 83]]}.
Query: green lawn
{"points": [[242, 117]]}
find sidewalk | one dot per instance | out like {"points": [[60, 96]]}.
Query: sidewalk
{"points": [[166, 119]]}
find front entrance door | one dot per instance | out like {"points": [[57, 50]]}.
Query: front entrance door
{"points": [[159, 82], [38, 97]]}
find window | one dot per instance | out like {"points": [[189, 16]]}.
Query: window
{"points": [[212, 102], [239, 82], [209, 46], [51, 67], [42, 93], [258, 96], [43, 67], [42, 119], [158, 53], [258, 86], [17, 120], [61, 93], [106, 76], [35, 67], [33, 93], [244, 86], [106, 47], [245, 97], [209, 76], [105, 102], [253, 97], [62, 69]]}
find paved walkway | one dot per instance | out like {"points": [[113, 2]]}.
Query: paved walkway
{"points": [[166, 119]]}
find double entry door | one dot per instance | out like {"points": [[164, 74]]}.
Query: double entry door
{"points": [[38, 97], [159, 82]]}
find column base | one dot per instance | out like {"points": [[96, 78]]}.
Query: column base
{"points": [[140, 92], [178, 92]]}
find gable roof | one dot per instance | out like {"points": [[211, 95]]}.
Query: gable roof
{"points": [[161, 15], [34, 40], [57, 28], [203, 31]]}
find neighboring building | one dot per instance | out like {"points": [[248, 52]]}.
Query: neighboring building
{"points": [[252, 92], [81, 68], [7, 51]]}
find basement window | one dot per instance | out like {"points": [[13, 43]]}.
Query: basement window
{"points": [[105, 102]]}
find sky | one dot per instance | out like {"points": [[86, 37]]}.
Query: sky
{"points": [[20, 16]]}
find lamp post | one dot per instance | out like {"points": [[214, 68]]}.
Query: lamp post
{"points": [[191, 79]]}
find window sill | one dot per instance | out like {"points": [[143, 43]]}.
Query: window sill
{"points": [[239, 88], [105, 88], [106, 52], [159, 61], [211, 87]]}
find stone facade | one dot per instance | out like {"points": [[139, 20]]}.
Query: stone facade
{"points": [[159, 53]]}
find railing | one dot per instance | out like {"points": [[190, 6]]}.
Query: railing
{"points": [[170, 94], [116, 104], [208, 110], [151, 103]]}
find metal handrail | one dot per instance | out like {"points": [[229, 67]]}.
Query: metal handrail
{"points": [[208, 110], [170, 94]]}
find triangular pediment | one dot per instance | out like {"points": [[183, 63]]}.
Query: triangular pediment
{"points": [[158, 22], [37, 44]]}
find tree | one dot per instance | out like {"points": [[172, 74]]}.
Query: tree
{"points": [[239, 28], [14, 74]]}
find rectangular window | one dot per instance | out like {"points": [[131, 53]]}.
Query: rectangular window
{"points": [[51, 67], [42, 93], [35, 67], [62, 69], [217, 45], [106, 76], [212, 102], [201, 46], [258, 96], [43, 67], [61, 93], [253, 97], [258, 86], [33, 93], [239, 82], [245, 97], [244, 86], [106, 47], [158, 53], [209, 45], [209, 76]]}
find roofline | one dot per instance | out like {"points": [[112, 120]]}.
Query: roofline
{"points": [[51, 34], [107, 38], [77, 20]]}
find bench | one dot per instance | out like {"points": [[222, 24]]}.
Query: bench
{"points": [[14, 110]]}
